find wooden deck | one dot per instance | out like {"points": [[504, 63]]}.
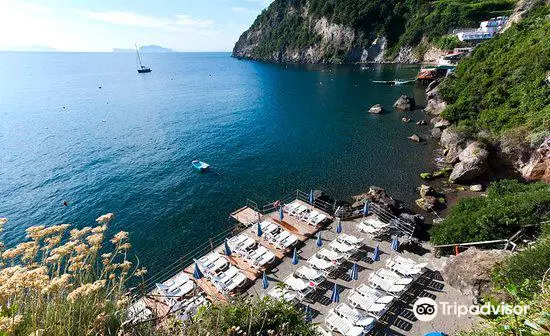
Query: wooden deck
{"points": [[246, 215], [296, 226]]}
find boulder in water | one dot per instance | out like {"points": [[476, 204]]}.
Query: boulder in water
{"points": [[414, 138], [405, 103], [376, 109]]}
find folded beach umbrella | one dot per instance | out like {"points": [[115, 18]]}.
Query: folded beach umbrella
{"points": [[226, 248], [319, 241], [294, 258], [281, 215], [335, 295], [376, 254], [354, 272], [339, 226], [265, 283], [308, 314], [395, 243], [197, 274], [260, 232], [366, 208], [311, 199], [435, 333]]}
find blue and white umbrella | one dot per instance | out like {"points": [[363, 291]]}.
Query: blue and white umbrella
{"points": [[281, 215], [308, 314], [395, 243], [265, 283], [260, 232], [197, 274], [335, 294], [319, 241], [295, 258], [366, 208], [311, 198], [339, 226], [376, 254], [227, 249]]}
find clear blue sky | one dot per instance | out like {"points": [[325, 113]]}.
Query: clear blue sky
{"points": [[101, 25]]}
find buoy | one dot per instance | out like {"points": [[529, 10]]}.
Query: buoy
{"points": [[63, 107], [100, 87]]}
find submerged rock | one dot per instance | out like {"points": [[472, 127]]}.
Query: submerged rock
{"points": [[376, 109], [421, 122], [414, 138], [405, 103], [473, 163]]}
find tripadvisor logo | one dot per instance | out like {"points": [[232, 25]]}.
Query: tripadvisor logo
{"points": [[426, 309]]}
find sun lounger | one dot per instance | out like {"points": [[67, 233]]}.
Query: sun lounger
{"points": [[376, 223], [288, 208], [260, 257], [311, 274], [299, 211], [267, 228], [282, 294], [241, 244], [377, 295], [186, 309], [368, 304], [403, 260], [396, 278], [342, 247], [404, 269], [212, 262], [300, 286], [342, 325], [386, 285], [355, 316], [370, 230], [284, 240], [349, 239], [322, 264], [317, 219], [333, 256], [306, 217], [229, 280], [176, 287], [139, 312]]}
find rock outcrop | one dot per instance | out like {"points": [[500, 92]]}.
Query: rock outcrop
{"points": [[435, 103], [471, 271], [376, 109], [538, 167], [405, 103], [473, 163], [454, 143]]}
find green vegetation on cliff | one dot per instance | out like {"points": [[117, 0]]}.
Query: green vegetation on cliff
{"points": [[504, 85], [508, 206], [289, 24]]}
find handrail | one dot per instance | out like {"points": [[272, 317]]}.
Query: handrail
{"points": [[472, 244]]}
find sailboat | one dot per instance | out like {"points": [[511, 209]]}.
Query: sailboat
{"points": [[141, 68]]}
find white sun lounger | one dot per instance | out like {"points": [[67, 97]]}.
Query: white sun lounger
{"points": [[402, 260], [386, 285], [241, 243], [342, 247], [349, 239], [139, 312], [306, 217], [288, 208], [370, 230], [396, 278], [311, 274], [300, 286], [176, 287], [404, 269], [317, 219], [376, 223], [284, 240], [377, 295], [355, 316], [342, 325], [368, 304], [260, 257], [229, 280], [334, 256], [299, 211], [212, 262], [322, 264], [282, 294], [267, 228]]}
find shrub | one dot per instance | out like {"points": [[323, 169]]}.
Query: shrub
{"points": [[508, 206], [57, 283]]}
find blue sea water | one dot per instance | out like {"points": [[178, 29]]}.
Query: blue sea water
{"points": [[126, 147]]}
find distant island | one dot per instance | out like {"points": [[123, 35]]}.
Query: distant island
{"points": [[145, 49]]}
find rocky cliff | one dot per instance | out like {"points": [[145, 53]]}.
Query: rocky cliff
{"points": [[349, 31]]}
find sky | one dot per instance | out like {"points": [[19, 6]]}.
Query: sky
{"points": [[101, 25]]}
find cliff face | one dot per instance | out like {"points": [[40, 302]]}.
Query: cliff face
{"points": [[349, 31]]}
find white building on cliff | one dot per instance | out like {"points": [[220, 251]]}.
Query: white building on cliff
{"points": [[487, 29]]}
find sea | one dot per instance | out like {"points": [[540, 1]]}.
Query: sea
{"points": [[88, 130]]}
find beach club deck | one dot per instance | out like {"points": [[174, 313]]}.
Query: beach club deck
{"points": [[397, 319]]}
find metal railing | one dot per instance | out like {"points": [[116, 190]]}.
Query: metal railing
{"points": [[405, 228]]}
